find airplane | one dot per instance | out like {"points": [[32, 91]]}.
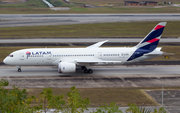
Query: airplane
{"points": [[69, 59]]}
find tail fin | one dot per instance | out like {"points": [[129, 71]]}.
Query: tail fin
{"points": [[149, 43]]}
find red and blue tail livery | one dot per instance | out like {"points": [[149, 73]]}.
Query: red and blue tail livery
{"points": [[150, 42]]}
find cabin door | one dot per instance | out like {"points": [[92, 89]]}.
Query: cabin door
{"points": [[49, 57], [21, 56], [99, 55]]}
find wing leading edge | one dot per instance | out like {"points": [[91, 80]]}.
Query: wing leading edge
{"points": [[97, 45]]}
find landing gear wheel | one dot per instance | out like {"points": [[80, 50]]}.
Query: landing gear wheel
{"points": [[90, 71], [86, 71], [19, 69]]}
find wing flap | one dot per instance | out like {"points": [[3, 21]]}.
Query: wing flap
{"points": [[97, 61], [90, 61]]}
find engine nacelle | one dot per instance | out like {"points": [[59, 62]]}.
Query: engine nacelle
{"points": [[66, 67]]}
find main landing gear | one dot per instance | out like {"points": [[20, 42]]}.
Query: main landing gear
{"points": [[19, 68], [87, 71], [90, 71]]}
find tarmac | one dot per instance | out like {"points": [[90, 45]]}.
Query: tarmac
{"points": [[111, 76], [15, 20]]}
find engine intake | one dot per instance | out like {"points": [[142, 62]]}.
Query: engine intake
{"points": [[66, 67]]}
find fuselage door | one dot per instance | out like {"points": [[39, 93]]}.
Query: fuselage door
{"points": [[49, 57], [21, 56], [99, 55]]}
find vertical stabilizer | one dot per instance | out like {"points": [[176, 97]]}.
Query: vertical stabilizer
{"points": [[150, 42]]}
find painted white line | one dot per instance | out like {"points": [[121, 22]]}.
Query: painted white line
{"points": [[50, 5]]}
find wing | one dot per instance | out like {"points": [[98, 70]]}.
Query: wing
{"points": [[90, 61], [97, 61], [97, 45]]}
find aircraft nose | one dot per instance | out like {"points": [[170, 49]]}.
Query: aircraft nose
{"points": [[5, 61]]}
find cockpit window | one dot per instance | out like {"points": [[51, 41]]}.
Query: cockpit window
{"points": [[10, 55]]}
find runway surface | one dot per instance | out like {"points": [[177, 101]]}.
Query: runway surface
{"points": [[13, 20], [109, 71], [118, 76]]}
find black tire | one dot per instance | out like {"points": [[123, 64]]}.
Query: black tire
{"points": [[85, 71], [19, 69], [90, 71]]}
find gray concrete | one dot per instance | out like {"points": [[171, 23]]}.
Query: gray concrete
{"points": [[123, 76], [12, 20], [171, 99], [107, 71]]}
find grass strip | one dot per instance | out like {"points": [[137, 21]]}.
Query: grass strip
{"points": [[99, 96], [111, 6], [27, 5], [122, 29], [5, 51], [36, 9]]}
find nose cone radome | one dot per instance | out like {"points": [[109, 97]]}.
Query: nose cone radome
{"points": [[5, 61]]}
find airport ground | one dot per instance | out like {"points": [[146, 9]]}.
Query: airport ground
{"points": [[140, 84], [45, 20], [109, 76], [98, 6], [107, 83]]}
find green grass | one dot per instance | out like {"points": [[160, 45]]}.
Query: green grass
{"points": [[122, 29], [39, 7], [28, 5], [99, 96], [5, 51], [79, 9], [169, 49]]}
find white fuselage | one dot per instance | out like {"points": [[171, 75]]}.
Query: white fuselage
{"points": [[51, 56]]}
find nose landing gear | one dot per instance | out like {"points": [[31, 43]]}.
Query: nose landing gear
{"points": [[19, 68]]}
